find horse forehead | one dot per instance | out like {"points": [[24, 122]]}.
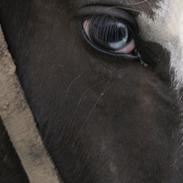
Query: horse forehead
{"points": [[146, 6]]}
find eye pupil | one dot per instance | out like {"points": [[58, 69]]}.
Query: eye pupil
{"points": [[108, 32], [118, 36]]}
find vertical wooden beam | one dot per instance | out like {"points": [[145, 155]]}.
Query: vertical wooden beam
{"points": [[20, 125]]}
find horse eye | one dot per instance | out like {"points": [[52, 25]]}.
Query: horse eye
{"points": [[110, 35]]}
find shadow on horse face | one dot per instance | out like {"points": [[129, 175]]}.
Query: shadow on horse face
{"points": [[102, 118]]}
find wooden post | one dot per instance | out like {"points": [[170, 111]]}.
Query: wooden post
{"points": [[20, 125]]}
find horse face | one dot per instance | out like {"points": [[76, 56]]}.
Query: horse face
{"points": [[104, 116]]}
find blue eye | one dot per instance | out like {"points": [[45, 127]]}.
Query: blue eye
{"points": [[117, 36], [110, 35]]}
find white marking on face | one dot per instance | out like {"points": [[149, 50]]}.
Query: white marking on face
{"points": [[166, 28]]}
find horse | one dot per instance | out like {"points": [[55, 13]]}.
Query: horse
{"points": [[103, 79]]}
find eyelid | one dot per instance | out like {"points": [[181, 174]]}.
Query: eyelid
{"points": [[123, 52], [111, 11]]}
